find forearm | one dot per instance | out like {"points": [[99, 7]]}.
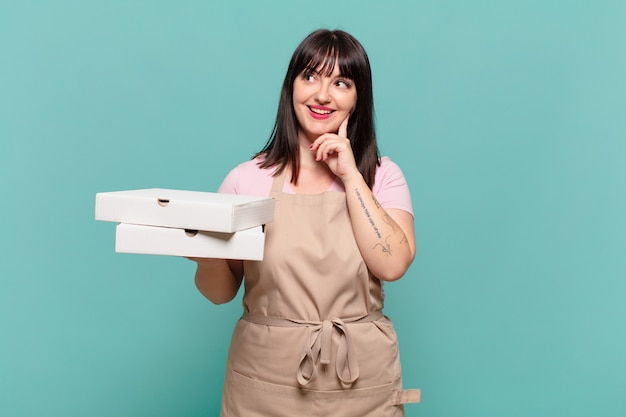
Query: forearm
{"points": [[386, 244], [218, 279]]}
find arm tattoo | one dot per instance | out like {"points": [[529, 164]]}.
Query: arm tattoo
{"points": [[367, 213], [394, 227], [386, 248], [375, 201], [387, 219]]}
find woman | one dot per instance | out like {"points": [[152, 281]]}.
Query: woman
{"points": [[313, 339]]}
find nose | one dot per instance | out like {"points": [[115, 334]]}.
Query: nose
{"points": [[322, 95]]}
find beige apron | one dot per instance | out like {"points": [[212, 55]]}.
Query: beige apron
{"points": [[312, 340]]}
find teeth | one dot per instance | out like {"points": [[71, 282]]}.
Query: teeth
{"points": [[320, 111]]}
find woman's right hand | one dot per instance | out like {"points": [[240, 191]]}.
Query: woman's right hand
{"points": [[218, 279]]}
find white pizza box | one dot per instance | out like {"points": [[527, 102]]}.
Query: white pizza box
{"points": [[216, 212], [247, 244]]}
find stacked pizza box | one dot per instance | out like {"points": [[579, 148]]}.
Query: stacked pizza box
{"points": [[187, 223]]}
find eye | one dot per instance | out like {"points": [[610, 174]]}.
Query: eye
{"points": [[343, 84], [308, 77]]}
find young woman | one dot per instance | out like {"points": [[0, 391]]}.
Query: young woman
{"points": [[313, 339]]}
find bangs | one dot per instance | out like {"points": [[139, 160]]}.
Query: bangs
{"points": [[323, 59]]}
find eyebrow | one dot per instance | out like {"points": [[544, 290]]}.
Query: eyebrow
{"points": [[318, 72]]}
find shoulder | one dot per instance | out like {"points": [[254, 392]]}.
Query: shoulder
{"points": [[388, 168], [388, 174], [248, 178]]}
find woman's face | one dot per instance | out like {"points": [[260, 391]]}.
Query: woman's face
{"points": [[321, 103]]}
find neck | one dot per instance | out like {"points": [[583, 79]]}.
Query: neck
{"points": [[313, 176], [308, 162]]}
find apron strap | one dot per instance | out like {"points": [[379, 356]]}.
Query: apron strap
{"points": [[406, 396], [320, 344], [278, 182]]}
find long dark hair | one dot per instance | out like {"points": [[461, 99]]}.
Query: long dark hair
{"points": [[319, 51]]}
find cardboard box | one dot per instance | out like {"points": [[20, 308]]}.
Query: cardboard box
{"points": [[195, 210], [246, 244]]}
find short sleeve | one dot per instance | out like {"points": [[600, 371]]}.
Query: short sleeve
{"points": [[229, 184], [248, 178], [390, 187]]}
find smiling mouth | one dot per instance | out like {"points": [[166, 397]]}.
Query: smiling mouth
{"points": [[322, 112]]}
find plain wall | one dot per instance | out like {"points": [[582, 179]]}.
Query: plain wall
{"points": [[508, 119]]}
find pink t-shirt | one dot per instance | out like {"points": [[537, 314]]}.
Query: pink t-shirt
{"points": [[390, 187]]}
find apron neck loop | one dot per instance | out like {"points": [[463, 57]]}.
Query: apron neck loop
{"points": [[278, 182]]}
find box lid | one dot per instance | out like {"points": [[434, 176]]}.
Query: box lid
{"points": [[198, 210]]}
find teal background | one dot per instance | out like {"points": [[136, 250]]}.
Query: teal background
{"points": [[508, 119]]}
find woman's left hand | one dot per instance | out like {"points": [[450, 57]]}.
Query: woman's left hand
{"points": [[335, 150]]}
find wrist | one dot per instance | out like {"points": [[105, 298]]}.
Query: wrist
{"points": [[207, 262], [352, 180]]}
